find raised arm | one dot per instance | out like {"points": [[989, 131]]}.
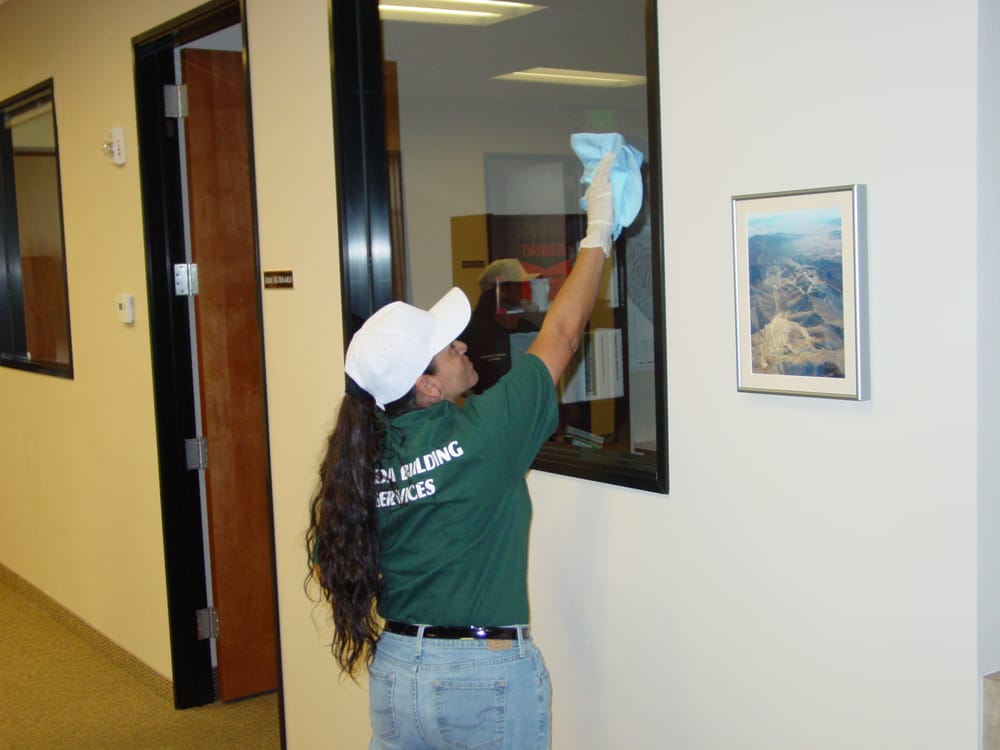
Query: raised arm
{"points": [[569, 312]]}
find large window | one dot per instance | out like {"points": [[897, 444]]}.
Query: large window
{"points": [[454, 124], [34, 304]]}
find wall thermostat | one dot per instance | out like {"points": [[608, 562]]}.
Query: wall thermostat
{"points": [[125, 304]]}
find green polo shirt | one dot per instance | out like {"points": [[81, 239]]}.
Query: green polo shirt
{"points": [[454, 509]]}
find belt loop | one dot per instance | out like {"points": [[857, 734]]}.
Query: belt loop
{"points": [[520, 641], [420, 639]]}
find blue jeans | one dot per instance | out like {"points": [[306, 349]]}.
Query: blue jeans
{"points": [[442, 694]]}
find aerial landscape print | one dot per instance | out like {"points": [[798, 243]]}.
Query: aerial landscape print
{"points": [[795, 274]]}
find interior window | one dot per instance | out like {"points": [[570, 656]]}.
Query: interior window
{"points": [[34, 303], [480, 103]]}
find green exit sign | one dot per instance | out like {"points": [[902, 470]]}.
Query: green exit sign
{"points": [[601, 119]]}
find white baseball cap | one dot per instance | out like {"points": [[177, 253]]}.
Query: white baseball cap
{"points": [[394, 346]]}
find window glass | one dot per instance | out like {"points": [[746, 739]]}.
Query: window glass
{"points": [[486, 194], [33, 295]]}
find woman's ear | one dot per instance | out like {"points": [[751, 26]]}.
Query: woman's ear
{"points": [[428, 391]]}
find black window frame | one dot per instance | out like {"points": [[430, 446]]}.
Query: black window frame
{"points": [[364, 216], [13, 327]]}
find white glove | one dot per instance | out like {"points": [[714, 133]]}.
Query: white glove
{"points": [[600, 208]]}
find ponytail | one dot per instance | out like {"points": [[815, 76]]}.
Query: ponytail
{"points": [[343, 541], [343, 533]]}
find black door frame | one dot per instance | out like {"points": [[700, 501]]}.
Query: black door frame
{"points": [[170, 339]]}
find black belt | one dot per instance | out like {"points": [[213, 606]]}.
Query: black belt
{"points": [[457, 631]]}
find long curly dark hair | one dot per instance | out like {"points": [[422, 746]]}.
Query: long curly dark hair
{"points": [[342, 541]]}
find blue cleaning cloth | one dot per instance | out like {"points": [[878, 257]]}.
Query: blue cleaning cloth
{"points": [[626, 179]]}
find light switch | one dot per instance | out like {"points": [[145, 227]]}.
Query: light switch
{"points": [[125, 304]]}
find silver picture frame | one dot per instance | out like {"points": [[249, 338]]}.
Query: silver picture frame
{"points": [[800, 293]]}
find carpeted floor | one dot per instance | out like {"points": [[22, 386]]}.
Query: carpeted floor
{"points": [[63, 686], [991, 712]]}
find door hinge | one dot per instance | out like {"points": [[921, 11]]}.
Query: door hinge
{"points": [[175, 100], [185, 279], [196, 453], [208, 623]]}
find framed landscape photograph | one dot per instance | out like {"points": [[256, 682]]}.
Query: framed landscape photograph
{"points": [[799, 273]]}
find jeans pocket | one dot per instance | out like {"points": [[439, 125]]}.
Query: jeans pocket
{"points": [[471, 713], [380, 704]]}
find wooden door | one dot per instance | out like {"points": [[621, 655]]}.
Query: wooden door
{"points": [[230, 369]]}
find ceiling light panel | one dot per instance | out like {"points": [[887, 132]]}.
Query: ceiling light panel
{"points": [[461, 12], [574, 77]]}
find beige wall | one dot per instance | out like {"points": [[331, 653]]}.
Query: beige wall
{"points": [[810, 581], [80, 515], [293, 139]]}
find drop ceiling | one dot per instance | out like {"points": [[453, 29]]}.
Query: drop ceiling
{"points": [[594, 35]]}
